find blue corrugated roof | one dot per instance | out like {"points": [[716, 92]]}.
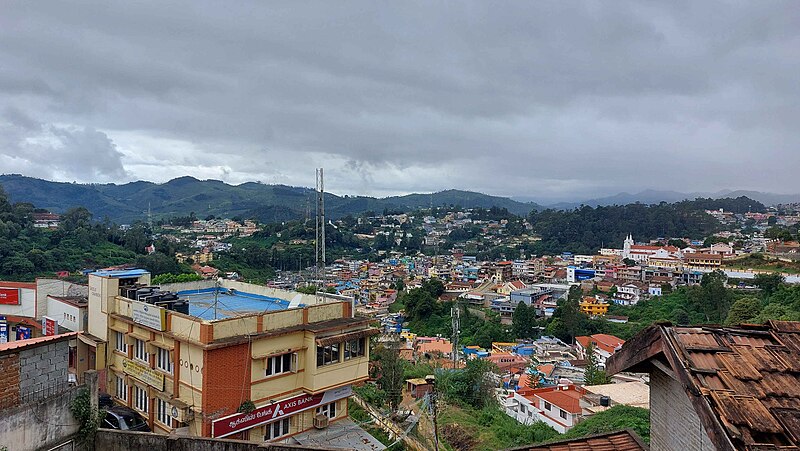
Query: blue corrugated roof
{"points": [[121, 273]]}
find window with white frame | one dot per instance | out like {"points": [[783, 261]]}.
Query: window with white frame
{"points": [[141, 402], [163, 414], [120, 344], [327, 355], [279, 364], [163, 361], [329, 410], [277, 429], [547, 405], [140, 351], [122, 388], [563, 414], [355, 348]]}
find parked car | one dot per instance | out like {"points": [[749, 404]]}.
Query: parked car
{"points": [[124, 419], [104, 400]]}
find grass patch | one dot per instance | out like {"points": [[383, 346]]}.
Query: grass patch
{"points": [[491, 429], [614, 419]]}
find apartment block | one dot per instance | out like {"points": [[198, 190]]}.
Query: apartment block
{"points": [[219, 361]]}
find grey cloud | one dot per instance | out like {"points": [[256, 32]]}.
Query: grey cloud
{"points": [[54, 151], [547, 99]]}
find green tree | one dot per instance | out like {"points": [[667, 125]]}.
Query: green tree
{"points": [[568, 321], [769, 283], [520, 321], [593, 375], [744, 310], [680, 317], [74, 218], [391, 379], [713, 297]]}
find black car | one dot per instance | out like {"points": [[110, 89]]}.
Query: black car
{"points": [[124, 419], [104, 400]]}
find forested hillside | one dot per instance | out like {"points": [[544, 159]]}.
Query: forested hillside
{"points": [[129, 202], [587, 229], [27, 252]]}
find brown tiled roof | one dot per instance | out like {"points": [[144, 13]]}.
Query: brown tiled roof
{"points": [[744, 381], [624, 440]]}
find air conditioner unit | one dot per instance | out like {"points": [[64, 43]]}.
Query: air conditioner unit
{"points": [[321, 421]]}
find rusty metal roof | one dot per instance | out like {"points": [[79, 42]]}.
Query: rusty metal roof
{"points": [[750, 378], [624, 440]]}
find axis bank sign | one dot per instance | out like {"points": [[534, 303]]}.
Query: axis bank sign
{"points": [[239, 422]]}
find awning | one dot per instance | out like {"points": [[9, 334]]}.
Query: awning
{"points": [[333, 339]]}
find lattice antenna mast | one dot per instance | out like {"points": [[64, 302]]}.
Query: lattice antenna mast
{"points": [[455, 313], [320, 227]]}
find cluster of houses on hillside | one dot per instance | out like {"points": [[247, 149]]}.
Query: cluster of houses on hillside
{"points": [[542, 380]]}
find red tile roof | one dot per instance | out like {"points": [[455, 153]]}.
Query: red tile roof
{"points": [[608, 343], [569, 399]]}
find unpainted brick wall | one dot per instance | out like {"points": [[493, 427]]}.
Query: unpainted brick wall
{"points": [[674, 425], [9, 381]]}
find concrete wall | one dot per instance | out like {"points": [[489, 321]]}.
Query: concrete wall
{"points": [[673, 421], [108, 440], [40, 425], [43, 366], [55, 287], [33, 369]]}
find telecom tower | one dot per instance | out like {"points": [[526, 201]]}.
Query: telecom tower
{"points": [[320, 228], [455, 313]]}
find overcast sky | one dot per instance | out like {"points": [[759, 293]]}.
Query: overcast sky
{"points": [[550, 100]]}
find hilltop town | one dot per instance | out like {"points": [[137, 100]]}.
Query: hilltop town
{"points": [[407, 308]]}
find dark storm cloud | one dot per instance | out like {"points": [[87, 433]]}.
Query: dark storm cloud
{"points": [[546, 99]]}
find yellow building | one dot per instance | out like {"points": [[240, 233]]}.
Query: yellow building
{"points": [[295, 364], [593, 307]]}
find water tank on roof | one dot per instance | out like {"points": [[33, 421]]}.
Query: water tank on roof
{"points": [[605, 401]]}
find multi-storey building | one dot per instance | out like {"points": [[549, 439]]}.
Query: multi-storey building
{"points": [[266, 369]]}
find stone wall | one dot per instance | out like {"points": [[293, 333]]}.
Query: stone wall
{"points": [[673, 422], [112, 440]]}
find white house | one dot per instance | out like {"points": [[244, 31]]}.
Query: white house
{"points": [[558, 407], [71, 312]]}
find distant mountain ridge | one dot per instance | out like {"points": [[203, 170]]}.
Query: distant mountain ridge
{"points": [[179, 197], [656, 196]]}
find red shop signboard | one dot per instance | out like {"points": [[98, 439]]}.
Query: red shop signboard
{"points": [[239, 422], [9, 296]]}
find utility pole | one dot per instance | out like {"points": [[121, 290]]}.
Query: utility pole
{"points": [[216, 297], [431, 380]]}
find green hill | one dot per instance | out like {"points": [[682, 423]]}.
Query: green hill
{"points": [[268, 203]]}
